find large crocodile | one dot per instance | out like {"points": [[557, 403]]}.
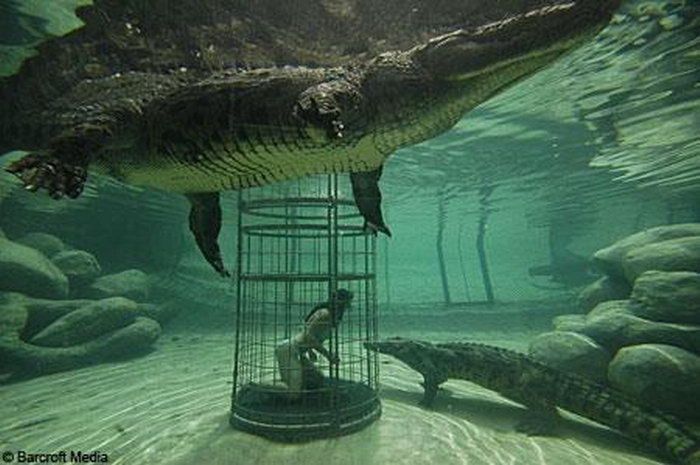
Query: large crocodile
{"points": [[541, 388], [234, 129]]}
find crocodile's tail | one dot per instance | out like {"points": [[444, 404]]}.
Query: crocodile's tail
{"points": [[611, 408]]}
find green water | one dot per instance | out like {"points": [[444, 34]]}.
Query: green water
{"points": [[601, 144]]}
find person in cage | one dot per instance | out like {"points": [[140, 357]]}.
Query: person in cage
{"points": [[296, 356]]}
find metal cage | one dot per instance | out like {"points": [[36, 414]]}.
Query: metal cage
{"points": [[297, 244]]}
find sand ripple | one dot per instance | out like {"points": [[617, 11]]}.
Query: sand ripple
{"points": [[172, 408]]}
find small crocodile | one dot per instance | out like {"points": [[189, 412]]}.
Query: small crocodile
{"points": [[200, 135], [541, 388]]}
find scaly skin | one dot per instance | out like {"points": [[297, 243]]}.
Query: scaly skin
{"points": [[541, 388], [235, 130], [241, 129]]}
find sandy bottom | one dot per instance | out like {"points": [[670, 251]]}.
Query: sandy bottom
{"points": [[171, 407]]}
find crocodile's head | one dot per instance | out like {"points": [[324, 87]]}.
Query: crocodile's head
{"points": [[522, 43], [430, 87], [415, 354]]}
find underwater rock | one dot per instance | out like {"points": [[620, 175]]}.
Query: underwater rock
{"points": [[47, 244], [673, 255], [661, 376], [613, 325], [672, 297], [23, 359], [132, 284], [132, 340], [25, 270], [609, 259], [162, 313], [573, 322], [13, 315], [87, 323], [2, 234], [604, 289], [608, 307], [79, 266], [571, 352], [43, 312]]}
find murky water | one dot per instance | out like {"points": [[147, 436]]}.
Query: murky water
{"points": [[494, 223]]}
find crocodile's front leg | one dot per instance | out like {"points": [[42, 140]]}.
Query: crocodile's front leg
{"points": [[533, 391], [205, 224], [62, 170], [539, 421], [44, 171], [431, 384], [368, 198], [336, 109], [331, 106], [433, 377]]}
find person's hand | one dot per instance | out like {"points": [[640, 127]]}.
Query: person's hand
{"points": [[311, 355]]}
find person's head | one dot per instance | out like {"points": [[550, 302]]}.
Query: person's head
{"points": [[341, 298]]}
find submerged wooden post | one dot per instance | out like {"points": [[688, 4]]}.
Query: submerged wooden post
{"points": [[440, 253], [484, 194]]}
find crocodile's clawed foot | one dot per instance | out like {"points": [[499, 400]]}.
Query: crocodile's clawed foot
{"points": [[368, 198], [537, 425], [426, 403], [57, 177], [329, 106], [205, 224], [320, 109], [336, 128]]}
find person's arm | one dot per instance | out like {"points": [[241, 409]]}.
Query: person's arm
{"points": [[319, 322], [310, 354]]}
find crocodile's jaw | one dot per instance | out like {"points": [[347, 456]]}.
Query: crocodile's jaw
{"points": [[428, 89], [548, 31], [411, 352]]}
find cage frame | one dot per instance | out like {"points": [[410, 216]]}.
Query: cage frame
{"points": [[335, 414]]}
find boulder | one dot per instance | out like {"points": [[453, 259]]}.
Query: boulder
{"points": [[132, 284], [571, 322], [673, 255], [24, 360], [571, 352], [25, 270], [162, 313], [13, 315], [133, 340], [79, 266], [47, 244], [604, 289], [43, 312], [661, 376], [87, 323], [609, 259], [613, 325], [668, 296], [610, 306]]}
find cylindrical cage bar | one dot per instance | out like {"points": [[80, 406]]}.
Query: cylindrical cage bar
{"points": [[300, 246]]}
